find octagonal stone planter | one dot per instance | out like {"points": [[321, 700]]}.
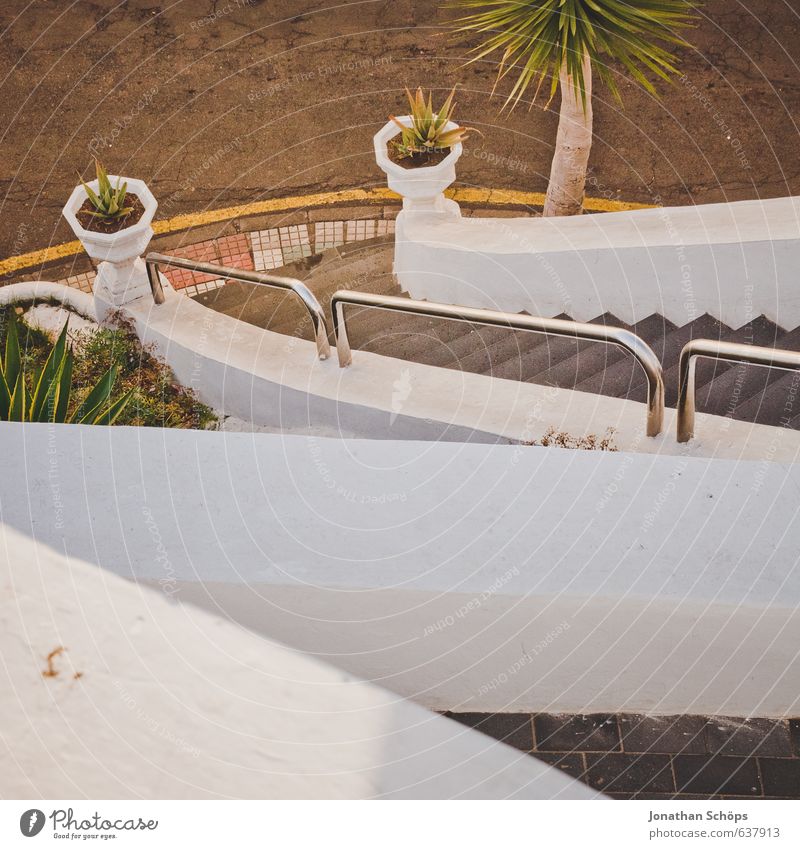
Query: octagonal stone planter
{"points": [[422, 189], [121, 276]]}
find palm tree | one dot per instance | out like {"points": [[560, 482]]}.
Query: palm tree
{"points": [[564, 41]]}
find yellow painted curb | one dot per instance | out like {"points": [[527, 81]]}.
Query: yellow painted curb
{"points": [[490, 197]]}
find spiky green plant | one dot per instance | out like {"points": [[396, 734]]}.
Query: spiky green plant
{"points": [[108, 201], [43, 395], [563, 41], [427, 132]]}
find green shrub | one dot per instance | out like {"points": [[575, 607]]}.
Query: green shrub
{"points": [[30, 394], [156, 398]]}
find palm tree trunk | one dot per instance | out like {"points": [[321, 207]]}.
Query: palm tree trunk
{"points": [[573, 143]]}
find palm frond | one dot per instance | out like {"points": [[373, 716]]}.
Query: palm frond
{"points": [[537, 38]]}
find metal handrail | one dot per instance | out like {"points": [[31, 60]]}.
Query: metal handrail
{"points": [[642, 352], [154, 260], [718, 350]]}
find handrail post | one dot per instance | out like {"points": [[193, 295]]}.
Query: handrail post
{"points": [[155, 280], [686, 405], [343, 350], [315, 311], [632, 343], [717, 349]]}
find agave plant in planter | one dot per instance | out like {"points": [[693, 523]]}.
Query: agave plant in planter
{"points": [[112, 217], [418, 153]]}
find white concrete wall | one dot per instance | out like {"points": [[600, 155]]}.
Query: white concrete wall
{"points": [[157, 701], [276, 380], [735, 261], [470, 577]]}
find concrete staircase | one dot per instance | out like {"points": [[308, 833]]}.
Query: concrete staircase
{"points": [[748, 393]]}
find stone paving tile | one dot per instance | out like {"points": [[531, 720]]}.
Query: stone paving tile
{"points": [[84, 281], [203, 252], [629, 773], [716, 775], [749, 737], [572, 764], [514, 729], [781, 776], [234, 251], [202, 288], [665, 734], [569, 732], [295, 242], [266, 247], [328, 234], [361, 229]]}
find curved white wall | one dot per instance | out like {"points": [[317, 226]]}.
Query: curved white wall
{"points": [[735, 261]]}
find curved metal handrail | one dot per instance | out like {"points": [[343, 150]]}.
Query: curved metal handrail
{"points": [[642, 352], [154, 260], [718, 350]]}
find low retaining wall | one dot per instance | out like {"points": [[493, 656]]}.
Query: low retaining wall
{"points": [[734, 261], [278, 381], [466, 577]]}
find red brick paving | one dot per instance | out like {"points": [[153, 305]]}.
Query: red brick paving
{"points": [[233, 251]]}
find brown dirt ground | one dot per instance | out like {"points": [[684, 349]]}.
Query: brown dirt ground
{"points": [[220, 103]]}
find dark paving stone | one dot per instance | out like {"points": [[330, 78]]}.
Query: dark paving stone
{"points": [[572, 764], [794, 731], [781, 777], [630, 773], [716, 774], [749, 737], [667, 797], [666, 734], [514, 729], [568, 732]]}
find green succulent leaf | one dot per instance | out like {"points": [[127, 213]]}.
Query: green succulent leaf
{"points": [[64, 390], [100, 395], [113, 411], [46, 385], [13, 357], [108, 201], [427, 131]]}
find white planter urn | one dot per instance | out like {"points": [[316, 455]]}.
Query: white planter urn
{"points": [[122, 275], [422, 189]]}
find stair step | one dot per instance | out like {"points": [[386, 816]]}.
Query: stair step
{"points": [[511, 347], [589, 358], [760, 331], [393, 335], [742, 381], [778, 404], [615, 374], [359, 319], [626, 379], [473, 338], [537, 360]]}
